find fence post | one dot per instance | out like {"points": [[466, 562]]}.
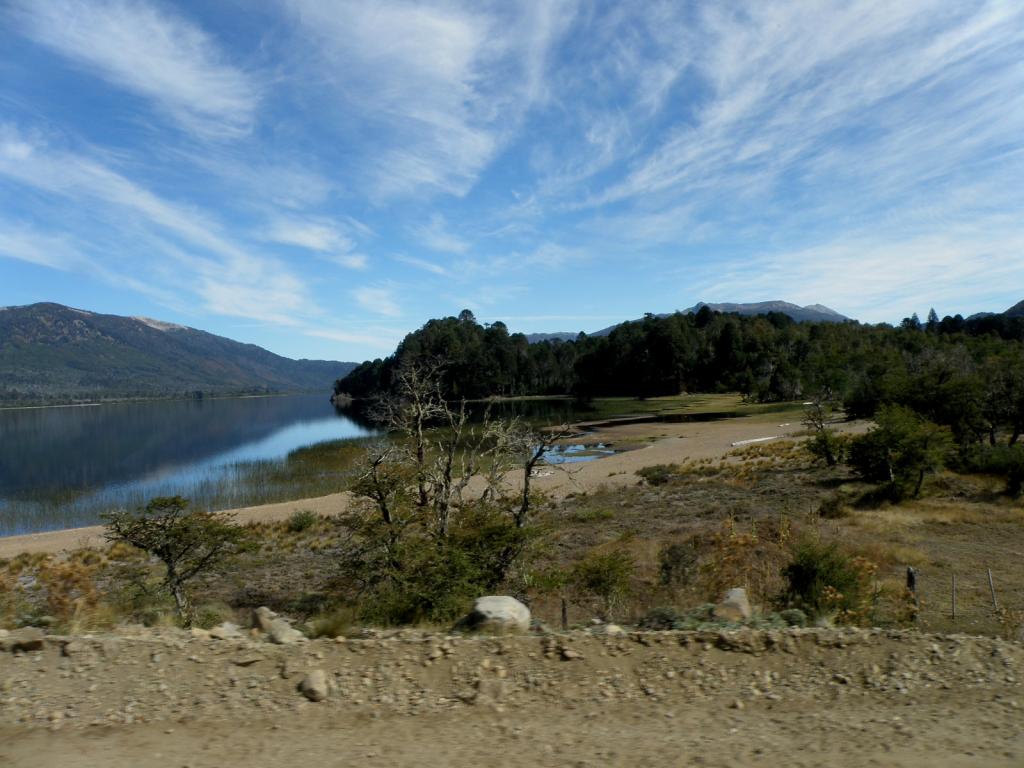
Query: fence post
{"points": [[992, 589], [953, 603], [912, 589]]}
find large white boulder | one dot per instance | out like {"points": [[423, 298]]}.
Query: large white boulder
{"points": [[497, 613]]}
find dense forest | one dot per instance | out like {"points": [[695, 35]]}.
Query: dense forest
{"points": [[937, 367]]}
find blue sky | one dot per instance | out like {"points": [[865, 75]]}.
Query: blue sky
{"points": [[321, 177]]}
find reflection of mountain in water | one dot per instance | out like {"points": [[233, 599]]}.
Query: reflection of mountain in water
{"points": [[51, 449]]}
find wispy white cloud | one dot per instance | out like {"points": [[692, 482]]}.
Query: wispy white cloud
{"points": [[320, 235], [436, 236], [382, 339], [150, 51], [18, 241], [378, 300], [230, 278], [445, 82], [426, 266], [882, 275]]}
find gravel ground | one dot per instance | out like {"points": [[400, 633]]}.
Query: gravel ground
{"points": [[716, 698]]}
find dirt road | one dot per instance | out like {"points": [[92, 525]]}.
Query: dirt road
{"points": [[743, 698]]}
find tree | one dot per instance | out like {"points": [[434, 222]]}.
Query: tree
{"points": [[188, 543], [900, 450], [826, 444]]}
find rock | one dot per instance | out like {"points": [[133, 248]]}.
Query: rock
{"points": [[247, 659], [283, 633], [496, 613], [199, 634], [23, 640], [226, 631], [277, 628], [314, 685], [262, 618], [73, 648], [734, 606]]}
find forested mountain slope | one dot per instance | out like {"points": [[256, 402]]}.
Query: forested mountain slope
{"points": [[53, 352]]}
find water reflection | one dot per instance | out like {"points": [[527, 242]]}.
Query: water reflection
{"points": [[97, 456]]}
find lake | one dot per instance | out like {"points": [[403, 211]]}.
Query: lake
{"points": [[63, 467]]}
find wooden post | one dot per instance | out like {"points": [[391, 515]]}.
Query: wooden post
{"points": [[953, 604], [912, 589], [992, 589], [565, 615]]}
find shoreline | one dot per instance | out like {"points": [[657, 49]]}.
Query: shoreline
{"points": [[155, 399], [644, 444]]}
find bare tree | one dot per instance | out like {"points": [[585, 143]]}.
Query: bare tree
{"points": [[825, 444]]}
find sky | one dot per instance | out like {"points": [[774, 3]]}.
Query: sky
{"points": [[321, 177]]}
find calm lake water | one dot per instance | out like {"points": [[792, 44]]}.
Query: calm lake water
{"points": [[63, 467], [66, 467]]}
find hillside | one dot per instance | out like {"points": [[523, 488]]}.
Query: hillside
{"points": [[1017, 310], [53, 352]]}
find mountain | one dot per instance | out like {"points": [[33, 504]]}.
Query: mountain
{"points": [[812, 313], [1017, 310], [53, 352], [536, 338]]}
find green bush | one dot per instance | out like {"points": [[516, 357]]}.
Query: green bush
{"points": [[821, 580], [658, 474], [1006, 461], [793, 617], [829, 446], [302, 520], [415, 577], [605, 576], [901, 449]]}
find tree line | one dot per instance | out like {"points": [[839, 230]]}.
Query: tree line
{"points": [[936, 365]]}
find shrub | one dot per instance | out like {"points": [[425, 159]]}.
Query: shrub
{"points": [[658, 474], [302, 520], [833, 507], [661, 619], [187, 543], [417, 577], [900, 450], [1006, 461], [794, 617], [822, 580], [829, 446], [606, 576], [677, 562]]}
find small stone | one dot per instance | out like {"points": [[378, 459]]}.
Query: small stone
{"points": [[314, 685], [73, 648], [226, 631]]}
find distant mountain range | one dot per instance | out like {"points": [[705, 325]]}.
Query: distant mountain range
{"points": [[52, 352], [812, 313]]}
